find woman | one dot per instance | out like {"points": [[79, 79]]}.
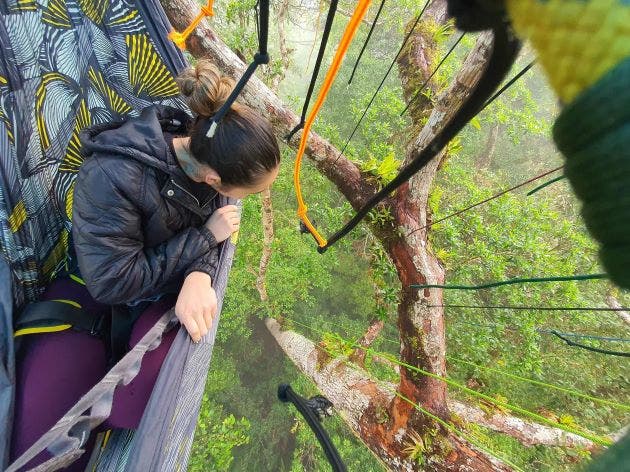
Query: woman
{"points": [[146, 224]]}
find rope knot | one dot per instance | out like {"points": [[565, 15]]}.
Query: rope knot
{"points": [[178, 38], [260, 58], [207, 10]]}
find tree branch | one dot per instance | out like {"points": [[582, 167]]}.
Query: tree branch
{"points": [[526, 432], [365, 403]]}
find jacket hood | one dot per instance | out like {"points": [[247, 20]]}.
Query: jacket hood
{"points": [[140, 138]]}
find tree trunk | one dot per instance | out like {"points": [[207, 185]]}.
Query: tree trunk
{"points": [[485, 158], [526, 432], [282, 9], [375, 328], [364, 400], [267, 225], [421, 328]]}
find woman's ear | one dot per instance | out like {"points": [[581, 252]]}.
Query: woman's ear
{"points": [[211, 177]]}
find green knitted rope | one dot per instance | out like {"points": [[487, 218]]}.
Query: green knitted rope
{"points": [[546, 184], [593, 133]]}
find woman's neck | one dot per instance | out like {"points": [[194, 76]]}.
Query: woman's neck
{"points": [[185, 160]]}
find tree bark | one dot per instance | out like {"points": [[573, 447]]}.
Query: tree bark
{"points": [[485, 157], [282, 9], [360, 397], [526, 432], [612, 302], [267, 225], [375, 328]]}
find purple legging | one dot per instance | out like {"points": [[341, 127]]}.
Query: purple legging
{"points": [[54, 370]]}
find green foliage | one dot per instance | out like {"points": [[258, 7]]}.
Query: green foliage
{"points": [[415, 448], [384, 169], [216, 436], [336, 346]]}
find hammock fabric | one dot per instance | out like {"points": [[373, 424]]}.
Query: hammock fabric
{"points": [[65, 65]]}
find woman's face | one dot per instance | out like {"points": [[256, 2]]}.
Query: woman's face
{"points": [[240, 192]]}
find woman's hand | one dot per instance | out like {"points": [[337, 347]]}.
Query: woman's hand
{"points": [[223, 222], [196, 304]]}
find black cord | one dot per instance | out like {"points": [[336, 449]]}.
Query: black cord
{"points": [[505, 49], [320, 56], [588, 348], [417, 94], [261, 57], [378, 89], [563, 336], [508, 85], [367, 40], [286, 394]]}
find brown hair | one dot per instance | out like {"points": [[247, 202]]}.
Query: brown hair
{"points": [[244, 146]]}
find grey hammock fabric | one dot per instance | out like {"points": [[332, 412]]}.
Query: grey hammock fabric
{"points": [[7, 361], [67, 437], [164, 438], [178, 394], [65, 65]]}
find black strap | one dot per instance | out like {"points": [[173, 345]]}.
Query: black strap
{"points": [[51, 313], [318, 63], [286, 394], [261, 57], [505, 49]]}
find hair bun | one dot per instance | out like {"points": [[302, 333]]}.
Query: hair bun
{"points": [[205, 88]]}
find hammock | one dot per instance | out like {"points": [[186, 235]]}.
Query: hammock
{"points": [[65, 65]]}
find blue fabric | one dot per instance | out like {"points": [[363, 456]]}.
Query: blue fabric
{"points": [[7, 363]]}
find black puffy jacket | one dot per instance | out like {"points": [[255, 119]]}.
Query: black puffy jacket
{"points": [[138, 220]]}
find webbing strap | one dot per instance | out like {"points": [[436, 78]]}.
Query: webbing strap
{"points": [[51, 313], [261, 57]]}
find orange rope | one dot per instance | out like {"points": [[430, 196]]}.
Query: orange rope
{"points": [[351, 29], [180, 38]]}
